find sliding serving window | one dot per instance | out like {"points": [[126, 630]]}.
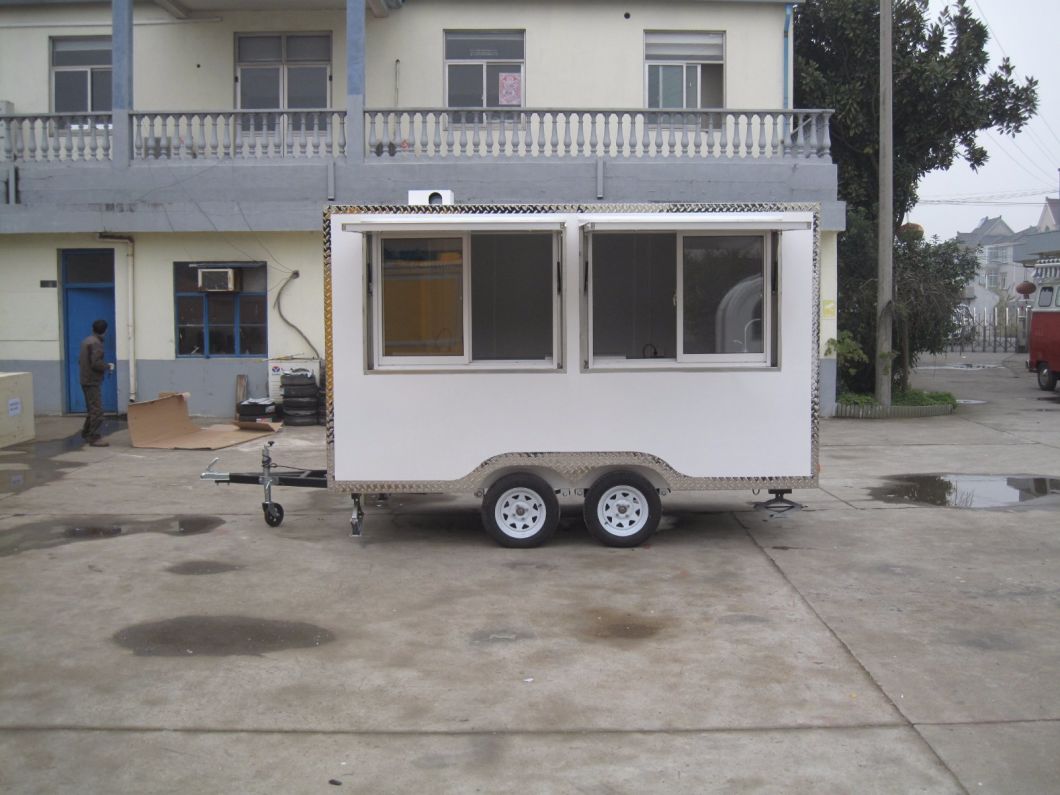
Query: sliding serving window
{"points": [[683, 297], [465, 299]]}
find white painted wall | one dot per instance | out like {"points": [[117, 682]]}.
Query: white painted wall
{"points": [[30, 326], [582, 54], [829, 289]]}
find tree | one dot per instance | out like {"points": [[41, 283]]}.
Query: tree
{"points": [[943, 96], [929, 281]]}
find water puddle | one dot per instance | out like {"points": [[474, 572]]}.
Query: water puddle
{"points": [[968, 491], [614, 626], [970, 402], [219, 636], [959, 367], [25, 466], [45, 535]]}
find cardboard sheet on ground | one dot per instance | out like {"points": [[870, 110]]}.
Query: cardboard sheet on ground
{"points": [[164, 424]]}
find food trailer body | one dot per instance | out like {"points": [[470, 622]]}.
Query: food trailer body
{"points": [[615, 352]]}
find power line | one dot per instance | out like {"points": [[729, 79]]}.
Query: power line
{"points": [[1041, 172]]}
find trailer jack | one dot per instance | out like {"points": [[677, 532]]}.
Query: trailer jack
{"points": [[778, 503]]}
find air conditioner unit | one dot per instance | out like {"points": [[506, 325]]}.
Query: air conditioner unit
{"points": [[435, 196], [217, 280]]}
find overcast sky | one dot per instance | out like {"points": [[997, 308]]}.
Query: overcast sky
{"points": [[1022, 171]]}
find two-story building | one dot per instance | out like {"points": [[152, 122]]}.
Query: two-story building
{"points": [[165, 164]]}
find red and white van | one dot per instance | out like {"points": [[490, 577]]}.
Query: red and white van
{"points": [[1044, 339]]}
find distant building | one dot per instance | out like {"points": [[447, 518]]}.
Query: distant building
{"points": [[999, 272]]}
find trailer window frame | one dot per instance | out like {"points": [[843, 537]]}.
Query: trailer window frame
{"points": [[767, 358], [380, 361]]}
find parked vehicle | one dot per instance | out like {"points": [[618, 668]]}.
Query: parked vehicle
{"points": [[1044, 338], [612, 352]]}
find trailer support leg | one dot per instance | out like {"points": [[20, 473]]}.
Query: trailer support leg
{"points": [[357, 520], [778, 503]]}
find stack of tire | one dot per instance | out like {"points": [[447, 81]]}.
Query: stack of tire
{"points": [[322, 398], [300, 397]]}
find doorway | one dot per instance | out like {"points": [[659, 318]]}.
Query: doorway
{"points": [[88, 295]]}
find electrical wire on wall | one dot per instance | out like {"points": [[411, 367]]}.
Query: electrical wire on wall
{"points": [[279, 310]]}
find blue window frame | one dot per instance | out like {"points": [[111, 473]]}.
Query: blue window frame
{"points": [[221, 324]]}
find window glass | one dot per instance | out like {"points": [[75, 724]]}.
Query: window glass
{"points": [[685, 68], [88, 266], [483, 45], [724, 291], [82, 51], [255, 49], [309, 48], [712, 86], [1045, 297], [423, 297], [221, 323], [634, 288], [465, 86], [259, 87], [71, 91], [511, 296], [101, 91], [307, 87]]}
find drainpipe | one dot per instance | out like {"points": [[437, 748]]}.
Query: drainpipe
{"points": [[787, 54], [130, 269]]}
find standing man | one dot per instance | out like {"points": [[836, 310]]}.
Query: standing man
{"points": [[93, 368]]}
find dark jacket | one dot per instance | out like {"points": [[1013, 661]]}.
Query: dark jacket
{"points": [[90, 361]]}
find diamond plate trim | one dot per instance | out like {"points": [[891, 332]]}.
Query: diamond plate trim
{"points": [[575, 466]]}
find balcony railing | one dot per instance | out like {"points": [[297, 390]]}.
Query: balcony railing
{"points": [[425, 134], [429, 133], [238, 134], [55, 136]]}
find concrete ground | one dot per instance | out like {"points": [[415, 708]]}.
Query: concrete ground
{"points": [[156, 636]]}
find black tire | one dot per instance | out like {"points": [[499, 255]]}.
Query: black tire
{"points": [[622, 509], [300, 419], [1046, 378], [296, 403], [299, 391], [256, 409], [273, 514], [298, 379], [520, 511]]}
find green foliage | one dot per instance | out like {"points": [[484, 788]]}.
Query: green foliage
{"points": [[917, 397], [942, 92], [850, 357], [929, 279], [856, 399]]}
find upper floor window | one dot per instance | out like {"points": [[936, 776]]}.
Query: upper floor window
{"points": [[223, 315], [81, 80], [283, 72], [684, 69], [484, 68]]}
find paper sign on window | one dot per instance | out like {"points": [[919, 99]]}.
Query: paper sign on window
{"points": [[14, 407], [510, 90]]}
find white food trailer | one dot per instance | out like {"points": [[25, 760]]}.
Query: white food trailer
{"points": [[613, 352]]}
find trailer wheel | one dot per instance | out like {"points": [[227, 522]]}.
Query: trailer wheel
{"points": [[622, 509], [273, 513], [520, 510], [1046, 378]]}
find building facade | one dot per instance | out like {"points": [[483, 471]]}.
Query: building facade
{"points": [[166, 166]]}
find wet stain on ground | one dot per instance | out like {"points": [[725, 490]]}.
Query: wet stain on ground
{"points": [[45, 535], [502, 636], [529, 565], [742, 618], [988, 641], [196, 567], [219, 636], [25, 466], [967, 491], [618, 627]]}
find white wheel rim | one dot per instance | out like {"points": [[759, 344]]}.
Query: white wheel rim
{"points": [[622, 511], [520, 513]]}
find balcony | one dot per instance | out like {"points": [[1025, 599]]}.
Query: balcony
{"points": [[418, 134]]}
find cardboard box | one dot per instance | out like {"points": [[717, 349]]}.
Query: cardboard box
{"points": [[16, 408], [164, 424]]}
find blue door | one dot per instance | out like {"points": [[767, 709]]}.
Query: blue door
{"points": [[88, 295]]}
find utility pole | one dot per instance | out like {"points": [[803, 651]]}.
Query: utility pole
{"points": [[885, 229]]}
